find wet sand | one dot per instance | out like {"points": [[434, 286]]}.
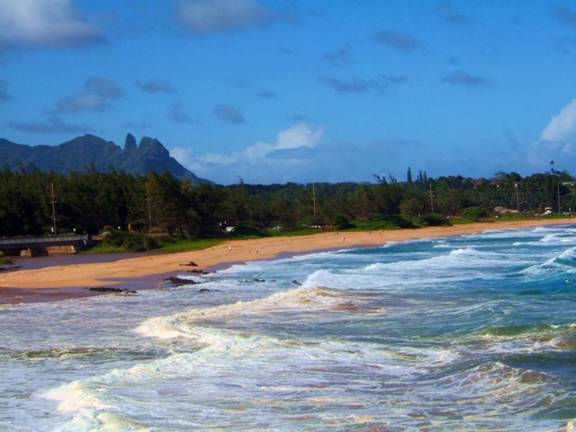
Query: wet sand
{"points": [[64, 260], [148, 271]]}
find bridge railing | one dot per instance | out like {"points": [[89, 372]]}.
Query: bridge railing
{"points": [[45, 239]]}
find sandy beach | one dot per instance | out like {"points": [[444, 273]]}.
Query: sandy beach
{"points": [[69, 278]]}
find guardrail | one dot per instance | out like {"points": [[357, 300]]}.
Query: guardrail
{"points": [[43, 240]]}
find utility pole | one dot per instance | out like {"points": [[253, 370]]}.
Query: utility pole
{"points": [[552, 186], [558, 186], [149, 204], [517, 196], [53, 203], [314, 200], [431, 195]]}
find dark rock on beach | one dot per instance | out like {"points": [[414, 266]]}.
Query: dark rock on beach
{"points": [[9, 268], [180, 281], [198, 272], [118, 291], [205, 290]]}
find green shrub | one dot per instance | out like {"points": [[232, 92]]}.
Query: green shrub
{"points": [[397, 221], [248, 230], [342, 222], [410, 208], [130, 241], [432, 219], [474, 213]]}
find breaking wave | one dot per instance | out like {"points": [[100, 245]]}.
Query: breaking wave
{"points": [[473, 332], [564, 262]]}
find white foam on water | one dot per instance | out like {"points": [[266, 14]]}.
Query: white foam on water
{"points": [[248, 366], [229, 362], [544, 338], [542, 229], [263, 265], [558, 239], [502, 234], [554, 264], [442, 245], [75, 397], [390, 244], [79, 400], [249, 267], [456, 265], [303, 298], [458, 258]]}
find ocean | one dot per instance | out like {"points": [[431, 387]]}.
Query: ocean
{"points": [[467, 333]]}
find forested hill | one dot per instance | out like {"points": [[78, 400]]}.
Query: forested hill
{"points": [[92, 152]]}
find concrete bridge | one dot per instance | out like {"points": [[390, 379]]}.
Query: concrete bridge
{"points": [[50, 245]]}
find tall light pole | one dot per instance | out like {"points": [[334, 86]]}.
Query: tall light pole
{"points": [[53, 203], [314, 200], [431, 195], [552, 173], [517, 196], [149, 206], [558, 186]]}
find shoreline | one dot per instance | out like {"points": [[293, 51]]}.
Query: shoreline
{"points": [[145, 272]]}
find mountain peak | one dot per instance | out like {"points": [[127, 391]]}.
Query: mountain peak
{"points": [[130, 143], [152, 147], [93, 152]]}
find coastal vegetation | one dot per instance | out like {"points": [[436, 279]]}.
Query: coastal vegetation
{"points": [[159, 211]]}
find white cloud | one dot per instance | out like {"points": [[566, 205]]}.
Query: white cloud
{"points": [[43, 23], [299, 135], [181, 154], [557, 141], [296, 136], [256, 157], [562, 127], [208, 16], [301, 153]]}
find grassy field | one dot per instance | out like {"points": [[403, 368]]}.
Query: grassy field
{"points": [[187, 245], [170, 245], [165, 247], [102, 248]]}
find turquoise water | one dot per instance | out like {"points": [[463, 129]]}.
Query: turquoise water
{"points": [[467, 333]]}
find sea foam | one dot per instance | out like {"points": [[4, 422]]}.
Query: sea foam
{"points": [[303, 298]]}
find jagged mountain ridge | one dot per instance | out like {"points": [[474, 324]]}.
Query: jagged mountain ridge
{"points": [[91, 151]]}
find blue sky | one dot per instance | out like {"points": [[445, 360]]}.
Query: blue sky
{"points": [[315, 90]]}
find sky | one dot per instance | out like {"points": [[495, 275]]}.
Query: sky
{"points": [[273, 91]]}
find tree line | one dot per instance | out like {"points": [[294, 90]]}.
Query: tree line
{"points": [[89, 201]]}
